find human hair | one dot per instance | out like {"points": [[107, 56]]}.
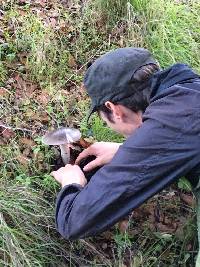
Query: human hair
{"points": [[139, 100]]}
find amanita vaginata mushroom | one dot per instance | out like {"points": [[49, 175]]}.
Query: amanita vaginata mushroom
{"points": [[62, 137]]}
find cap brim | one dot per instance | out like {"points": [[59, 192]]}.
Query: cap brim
{"points": [[92, 110]]}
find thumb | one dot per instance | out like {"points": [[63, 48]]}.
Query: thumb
{"points": [[92, 165], [52, 173]]}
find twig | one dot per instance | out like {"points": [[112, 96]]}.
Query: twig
{"points": [[16, 128], [101, 255]]}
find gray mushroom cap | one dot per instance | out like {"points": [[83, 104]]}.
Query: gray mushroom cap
{"points": [[62, 136]]}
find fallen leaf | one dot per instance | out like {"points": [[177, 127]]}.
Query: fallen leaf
{"points": [[29, 114], [43, 117], [3, 92], [8, 133], [71, 61], [43, 98], [53, 22], [43, 3], [27, 141], [167, 228], [23, 88], [22, 2], [123, 226], [26, 152], [23, 57], [107, 235], [83, 143], [2, 143], [189, 246], [22, 12], [104, 246], [54, 14], [82, 88], [23, 160], [188, 199]]}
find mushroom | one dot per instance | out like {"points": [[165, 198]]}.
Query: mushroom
{"points": [[62, 137]]}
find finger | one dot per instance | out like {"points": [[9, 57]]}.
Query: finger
{"points": [[84, 154], [55, 176], [92, 165], [53, 173]]}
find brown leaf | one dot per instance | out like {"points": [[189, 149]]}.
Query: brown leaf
{"points": [[43, 3], [71, 61], [43, 98], [22, 12], [188, 199], [26, 152], [83, 143], [54, 14], [23, 160], [43, 117], [23, 57], [123, 226], [3, 92], [27, 142], [2, 143], [107, 235], [104, 246], [21, 2], [53, 22], [82, 88], [121, 41], [24, 88], [8, 133], [29, 114], [167, 228], [65, 92]]}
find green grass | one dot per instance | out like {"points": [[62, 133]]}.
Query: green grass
{"points": [[41, 68], [170, 30], [3, 73], [44, 54]]}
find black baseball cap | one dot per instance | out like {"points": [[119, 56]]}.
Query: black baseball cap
{"points": [[109, 78]]}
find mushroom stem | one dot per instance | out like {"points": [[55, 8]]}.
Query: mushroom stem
{"points": [[65, 153]]}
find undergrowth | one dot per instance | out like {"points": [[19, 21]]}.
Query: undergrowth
{"points": [[44, 52]]}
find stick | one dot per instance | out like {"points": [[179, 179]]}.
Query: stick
{"points": [[16, 128]]}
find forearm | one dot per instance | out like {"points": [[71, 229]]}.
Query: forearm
{"points": [[64, 205]]}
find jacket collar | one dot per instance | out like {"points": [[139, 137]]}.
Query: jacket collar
{"points": [[175, 74]]}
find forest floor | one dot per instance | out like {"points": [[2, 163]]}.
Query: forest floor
{"points": [[45, 47]]}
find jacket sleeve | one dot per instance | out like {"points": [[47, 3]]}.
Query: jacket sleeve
{"points": [[162, 150]]}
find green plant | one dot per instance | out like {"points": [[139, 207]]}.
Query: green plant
{"points": [[46, 55], [25, 239], [113, 9], [169, 30], [184, 184], [3, 73], [123, 243], [52, 61]]}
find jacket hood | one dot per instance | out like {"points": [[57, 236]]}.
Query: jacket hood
{"points": [[175, 74]]}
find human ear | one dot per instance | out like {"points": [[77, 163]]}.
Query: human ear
{"points": [[110, 106], [115, 109]]}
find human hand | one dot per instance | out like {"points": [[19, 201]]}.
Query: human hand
{"points": [[104, 152], [70, 174]]}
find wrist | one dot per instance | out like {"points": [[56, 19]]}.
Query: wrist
{"points": [[65, 183]]}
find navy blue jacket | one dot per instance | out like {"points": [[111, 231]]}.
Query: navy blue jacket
{"points": [[165, 148]]}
